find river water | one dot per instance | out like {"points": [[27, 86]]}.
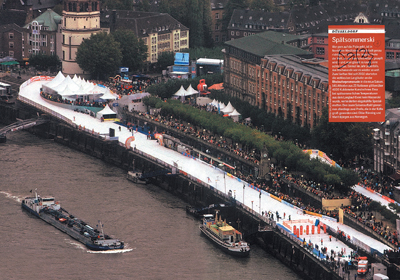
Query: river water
{"points": [[161, 240]]}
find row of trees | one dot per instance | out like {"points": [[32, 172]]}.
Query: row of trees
{"points": [[342, 141], [285, 152]]}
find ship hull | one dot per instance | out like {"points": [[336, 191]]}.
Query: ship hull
{"points": [[72, 233], [237, 252]]}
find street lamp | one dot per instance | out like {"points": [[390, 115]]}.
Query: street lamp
{"points": [[259, 211], [243, 192], [225, 183], [252, 206]]}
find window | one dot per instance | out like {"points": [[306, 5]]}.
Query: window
{"points": [[10, 35], [233, 33], [217, 16], [389, 55], [11, 45], [320, 50], [216, 38], [217, 26]]}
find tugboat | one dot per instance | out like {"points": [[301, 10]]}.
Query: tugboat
{"points": [[50, 211], [224, 236]]}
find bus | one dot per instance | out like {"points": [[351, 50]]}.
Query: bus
{"points": [[7, 88]]}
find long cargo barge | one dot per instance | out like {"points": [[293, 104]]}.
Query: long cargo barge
{"points": [[50, 211]]}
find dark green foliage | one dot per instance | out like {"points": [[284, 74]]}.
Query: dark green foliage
{"points": [[393, 102], [266, 5], [99, 55], [144, 6], [116, 4], [286, 153], [265, 121], [164, 60], [44, 62], [134, 51], [166, 90], [201, 52], [194, 14], [344, 141]]}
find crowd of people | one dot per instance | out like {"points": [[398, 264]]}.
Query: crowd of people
{"points": [[77, 102]]}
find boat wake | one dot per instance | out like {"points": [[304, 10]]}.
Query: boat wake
{"points": [[14, 197], [116, 251], [76, 244]]}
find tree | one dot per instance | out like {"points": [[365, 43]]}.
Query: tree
{"points": [[164, 60], [144, 6], [117, 4], [194, 14], [267, 5], [100, 55], [133, 49], [343, 141], [44, 62]]}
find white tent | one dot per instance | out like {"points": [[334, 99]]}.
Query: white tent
{"points": [[67, 82], [108, 95], [181, 92], [228, 109], [214, 103], [190, 90], [106, 113], [221, 105], [56, 81], [235, 115]]}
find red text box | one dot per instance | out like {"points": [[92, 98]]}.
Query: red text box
{"points": [[357, 73]]}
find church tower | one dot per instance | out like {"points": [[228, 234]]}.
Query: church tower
{"points": [[81, 18]]}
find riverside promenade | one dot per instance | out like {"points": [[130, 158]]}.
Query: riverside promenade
{"points": [[254, 200]]}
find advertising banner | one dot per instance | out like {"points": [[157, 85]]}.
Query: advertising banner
{"points": [[356, 73]]}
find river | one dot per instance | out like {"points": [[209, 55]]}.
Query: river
{"points": [[162, 241]]}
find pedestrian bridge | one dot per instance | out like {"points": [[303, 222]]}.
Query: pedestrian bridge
{"points": [[21, 124]]}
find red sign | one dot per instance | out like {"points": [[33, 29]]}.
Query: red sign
{"points": [[357, 73]]}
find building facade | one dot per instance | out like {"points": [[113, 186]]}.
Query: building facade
{"points": [[293, 88], [12, 41], [160, 32], [81, 19], [242, 56], [41, 34], [217, 15], [245, 23], [387, 144]]}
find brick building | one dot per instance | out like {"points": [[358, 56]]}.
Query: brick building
{"points": [[242, 56], [293, 88], [12, 42], [270, 71], [217, 14]]}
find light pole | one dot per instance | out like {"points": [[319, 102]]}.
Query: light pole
{"points": [[252, 206], [259, 211], [216, 182], [225, 183], [244, 186]]}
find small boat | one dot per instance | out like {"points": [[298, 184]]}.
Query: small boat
{"points": [[224, 236], [50, 211]]}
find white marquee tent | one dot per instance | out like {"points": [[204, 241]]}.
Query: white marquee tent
{"points": [[235, 115], [228, 109], [106, 113], [76, 88]]}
